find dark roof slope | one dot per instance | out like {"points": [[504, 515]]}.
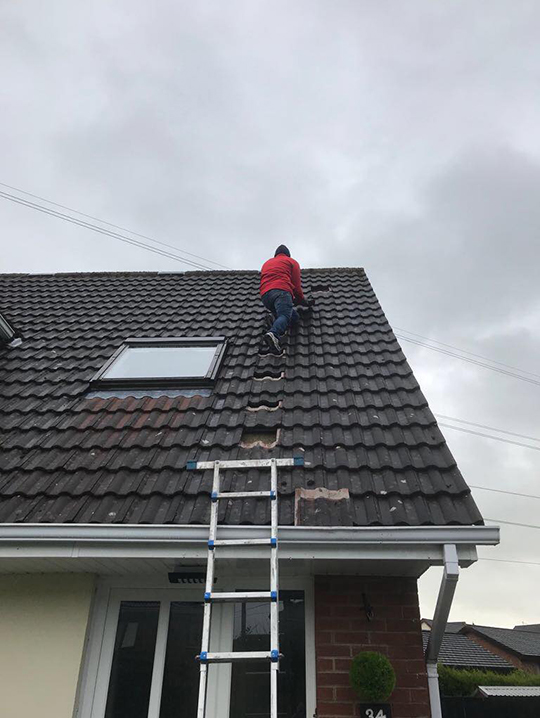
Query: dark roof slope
{"points": [[460, 652], [451, 626], [524, 643], [347, 400]]}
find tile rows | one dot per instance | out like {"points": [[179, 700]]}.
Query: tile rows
{"points": [[342, 395]]}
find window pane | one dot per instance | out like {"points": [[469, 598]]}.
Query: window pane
{"points": [[133, 660], [250, 690], [161, 362], [181, 677]]}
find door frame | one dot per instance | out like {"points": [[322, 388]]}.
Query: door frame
{"points": [[97, 657]]}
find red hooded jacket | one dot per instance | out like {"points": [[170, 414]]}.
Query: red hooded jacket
{"points": [[282, 272]]}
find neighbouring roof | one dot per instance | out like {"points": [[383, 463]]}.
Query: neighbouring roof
{"points": [[343, 396], [459, 651], [451, 626], [524, 643], [510, 691], [531, 627]]}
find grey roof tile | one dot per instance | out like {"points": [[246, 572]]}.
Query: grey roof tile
{"points": [[459, 651], [344, 397]]}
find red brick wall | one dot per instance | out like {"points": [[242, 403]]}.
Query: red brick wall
{"points": [[530, 666], [342, 630], [485, 643]]}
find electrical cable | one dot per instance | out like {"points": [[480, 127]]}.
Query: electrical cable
{"points": [[501, 491], [470, 361], [100, 230], [509, 560], [490, 436], [513, 523], [491, 428], [464, 351], [110, 224]]}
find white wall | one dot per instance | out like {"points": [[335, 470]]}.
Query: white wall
{"points": [[43, 619]]}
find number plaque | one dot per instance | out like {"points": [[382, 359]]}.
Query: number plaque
{"points": [[375, 710]]}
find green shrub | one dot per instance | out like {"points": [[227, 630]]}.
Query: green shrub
{"points": [[372, 676], [463, 683]]}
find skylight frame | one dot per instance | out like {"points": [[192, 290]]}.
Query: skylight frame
{"points": [[99, 380]]}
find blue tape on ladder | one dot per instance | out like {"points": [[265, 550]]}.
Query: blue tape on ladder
{"points": [[273, 542], [298, 460], [273, 495], [203, 657], [191, 465], [214, 496], [211, 545], [207, 596], [274, 655], [273, 595]]}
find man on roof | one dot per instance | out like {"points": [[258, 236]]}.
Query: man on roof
{"points": [[281, 288]]}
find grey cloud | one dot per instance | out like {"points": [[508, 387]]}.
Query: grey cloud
{"points": [[397, 136]]}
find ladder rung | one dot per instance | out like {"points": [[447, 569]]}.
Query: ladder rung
{"points": [[245, 464], [243, 542], [241, 596], [243, 495], [239, 656]]}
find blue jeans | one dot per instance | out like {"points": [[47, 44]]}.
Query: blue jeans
{"points": [[280, 303]]}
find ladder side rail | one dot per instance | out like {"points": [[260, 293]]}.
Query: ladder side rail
{"points": [[203, 680], [273, 690], [207, 615], [274, 587]]}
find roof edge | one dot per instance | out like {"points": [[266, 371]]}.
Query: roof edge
{"points": [[309, 270]]}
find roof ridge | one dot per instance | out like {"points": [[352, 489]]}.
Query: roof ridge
{"points": [[503, 628], [149, 273]]}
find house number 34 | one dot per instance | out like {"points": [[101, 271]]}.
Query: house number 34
{"points": [[380, 711]]}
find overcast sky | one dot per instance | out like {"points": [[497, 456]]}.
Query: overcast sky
{"points": [[398, 136]]}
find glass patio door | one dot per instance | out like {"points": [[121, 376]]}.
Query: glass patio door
{"points": [[147, 666], [135, 648]]}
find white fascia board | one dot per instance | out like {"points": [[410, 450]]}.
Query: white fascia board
{"points": [[295, 542]]}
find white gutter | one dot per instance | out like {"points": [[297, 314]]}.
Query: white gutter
{"points": [[487, 535], [406, 542], [442, 610]]}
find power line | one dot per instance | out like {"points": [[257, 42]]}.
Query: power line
{"points": [[514, 523], [471, 361], [501, 491], [100, 230], [490, 436], [110, 224], [491, 428], [509, 560], [464, 351]]}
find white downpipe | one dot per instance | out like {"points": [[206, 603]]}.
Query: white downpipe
{"points": [[433, 688], [442, 610]]}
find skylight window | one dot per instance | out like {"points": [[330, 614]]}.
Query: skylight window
{"points": [[189, 361]]}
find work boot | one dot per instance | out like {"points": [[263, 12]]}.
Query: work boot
{"points": [[272, 342]]}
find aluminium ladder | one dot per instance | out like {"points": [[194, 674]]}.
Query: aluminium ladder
{"points": [[210, 596]]}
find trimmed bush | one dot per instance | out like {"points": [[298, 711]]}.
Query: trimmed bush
{"points": [[462, 683], [372, 676]]}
